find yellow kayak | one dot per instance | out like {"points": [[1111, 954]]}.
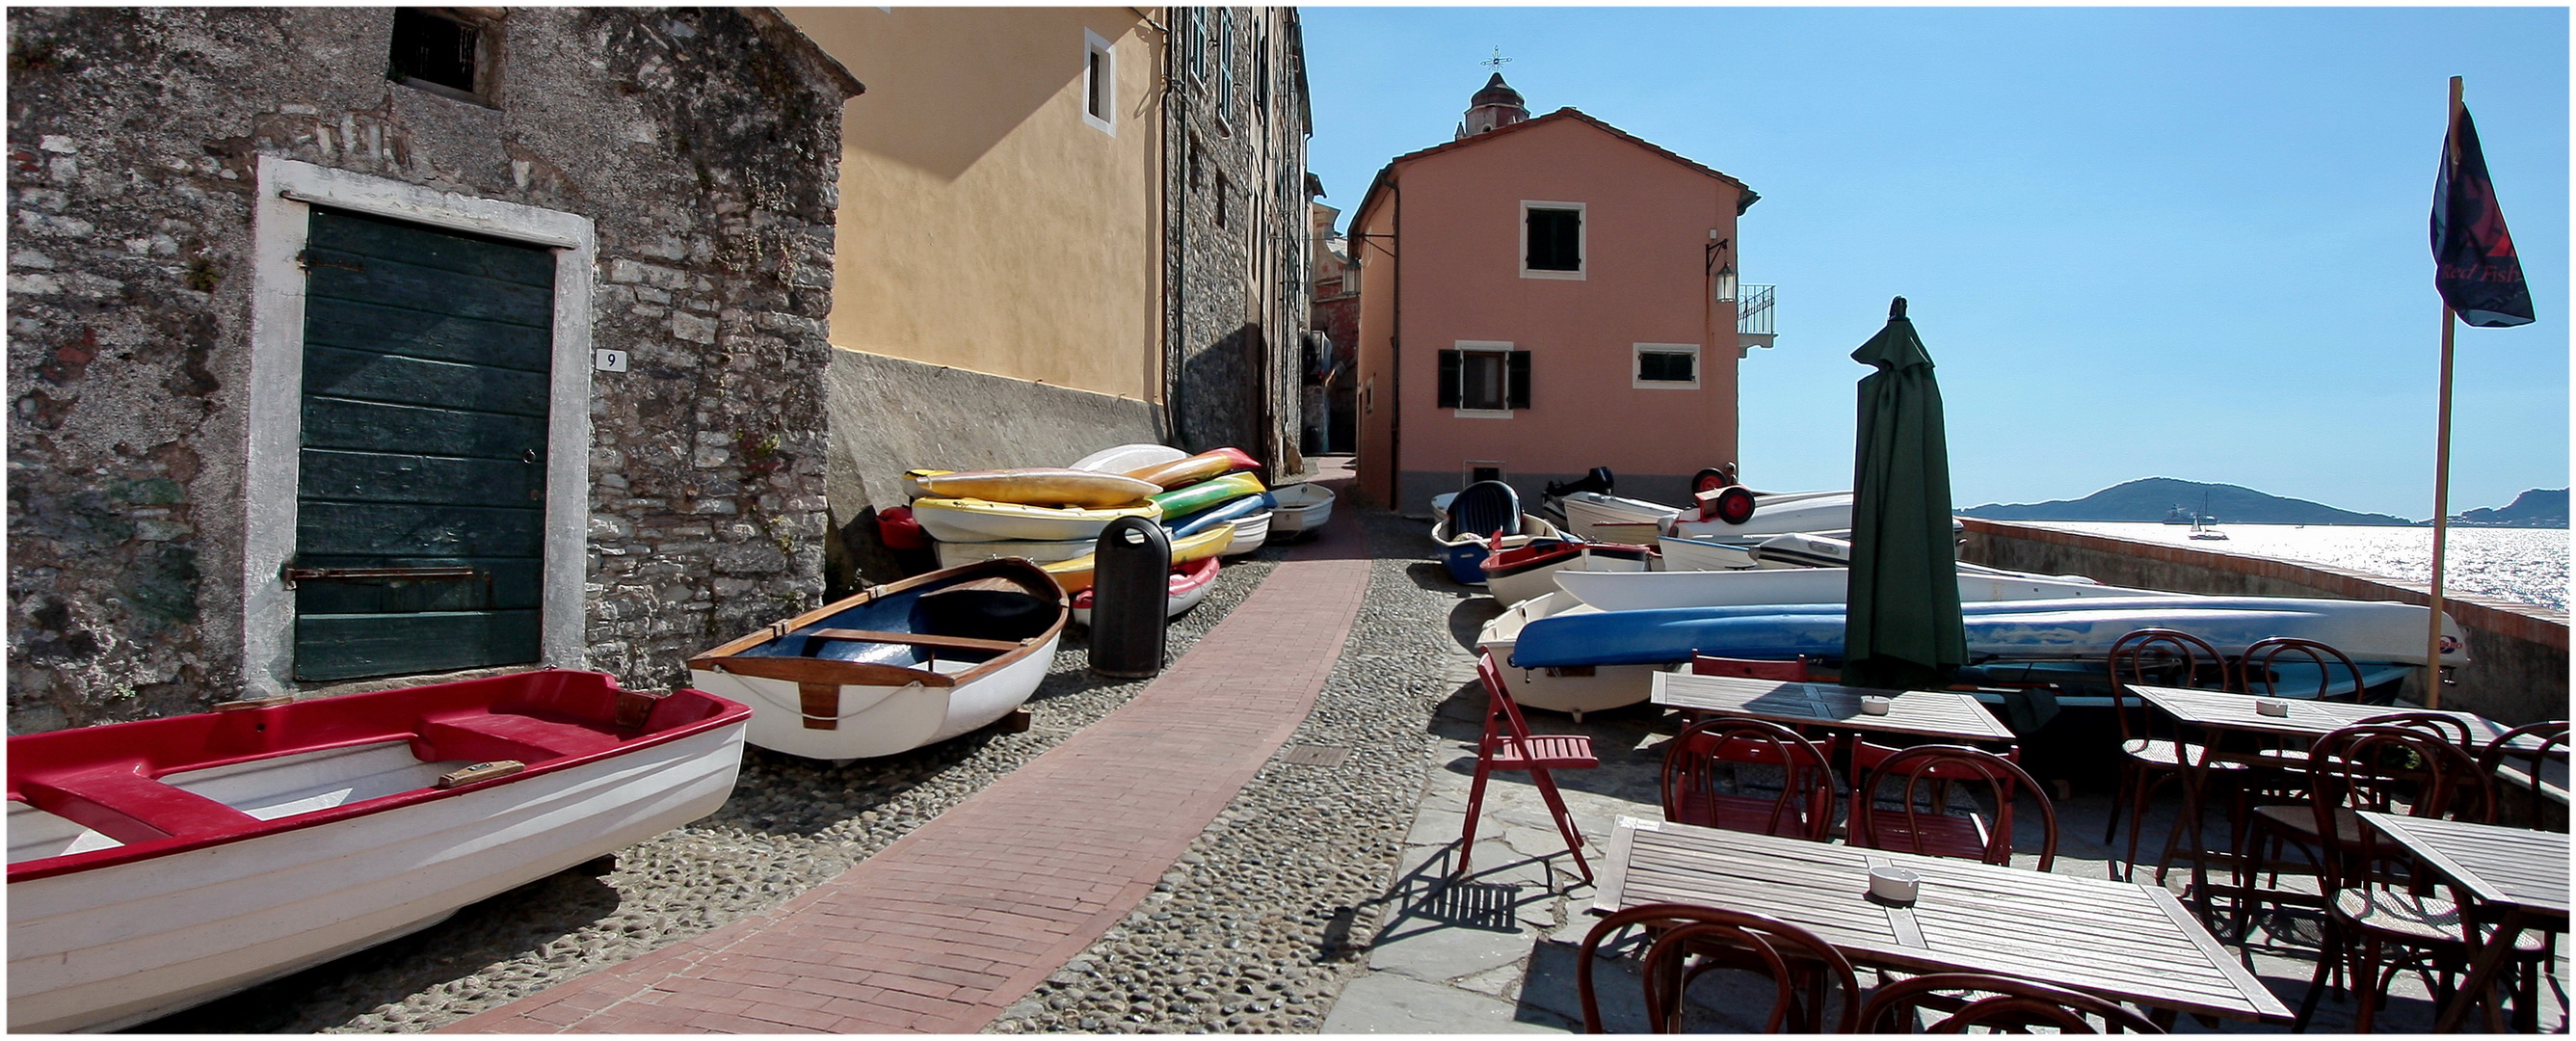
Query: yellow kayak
{"points": [[1075, 575], [980, 520], [1035, 486]]}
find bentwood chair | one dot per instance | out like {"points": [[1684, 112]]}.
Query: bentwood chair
{"points": [[1916, 819], [1508, 745], [2162, 658], [2373, 900], [2007, 1004], [2518, 762], [1813, 987], [1702, 782], [2260, 670]]}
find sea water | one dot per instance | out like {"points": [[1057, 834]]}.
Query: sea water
{"points": [[2523, 564]]}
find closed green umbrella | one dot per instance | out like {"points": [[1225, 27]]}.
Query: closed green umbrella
{"points": [[1902, 630]]}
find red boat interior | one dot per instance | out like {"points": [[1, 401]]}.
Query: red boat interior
{"points": [[110, 779]]}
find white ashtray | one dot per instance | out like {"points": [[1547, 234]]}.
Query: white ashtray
{"points": [[1873, 705], [1895, 885], [2271, 707]]}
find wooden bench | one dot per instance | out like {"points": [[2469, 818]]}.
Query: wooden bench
{"points": [[122, 804]]}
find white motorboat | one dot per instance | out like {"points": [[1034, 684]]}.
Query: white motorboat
{"points": [[161, 864], [896, 667]]}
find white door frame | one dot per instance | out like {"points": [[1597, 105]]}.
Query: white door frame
{"points": [[287, 191]]}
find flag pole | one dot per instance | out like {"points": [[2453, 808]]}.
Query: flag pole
{"points": [[2441, 459]]}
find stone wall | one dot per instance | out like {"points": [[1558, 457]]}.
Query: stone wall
{"points": [[703, 143], [1237, 230], [2517, 670]]}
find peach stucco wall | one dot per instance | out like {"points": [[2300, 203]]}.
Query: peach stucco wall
{"points": [[1648, 224]]}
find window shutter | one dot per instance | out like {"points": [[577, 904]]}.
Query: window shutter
{"points": [[1517, 388], [1449, 379]]}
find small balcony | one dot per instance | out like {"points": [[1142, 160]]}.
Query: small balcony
{"points": [[1753, 316]]}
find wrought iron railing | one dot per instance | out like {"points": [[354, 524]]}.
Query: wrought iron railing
{"points": [[1753, 311]]}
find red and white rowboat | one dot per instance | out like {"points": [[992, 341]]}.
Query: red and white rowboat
{"points": [[1189, 585], [161, 864]]}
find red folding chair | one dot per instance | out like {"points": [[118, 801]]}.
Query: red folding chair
{"points": [[1508, 745]]}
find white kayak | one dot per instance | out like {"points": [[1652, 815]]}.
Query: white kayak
{"points": [[1120, 459]]}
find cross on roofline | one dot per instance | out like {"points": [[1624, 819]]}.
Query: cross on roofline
{"points": [[1497, 61]]}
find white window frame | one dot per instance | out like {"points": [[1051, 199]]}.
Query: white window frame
{"points": [[1105, 69], [1637, 356], [1582, 241], [1502, 348], [1225, 69], [280, 224]]}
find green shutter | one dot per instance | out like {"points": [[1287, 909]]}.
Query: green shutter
{"points": [[1449, 364], [427, 369], [1516, 390]]}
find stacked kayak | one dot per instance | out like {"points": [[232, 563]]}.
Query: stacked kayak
{"points": [[1207, 502]]}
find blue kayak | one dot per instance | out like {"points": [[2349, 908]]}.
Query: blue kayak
{"points": [[1222, 513]]}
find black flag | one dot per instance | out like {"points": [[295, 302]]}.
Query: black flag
{"points": [[2475, 268]]}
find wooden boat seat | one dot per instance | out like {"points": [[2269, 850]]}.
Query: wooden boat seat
{"points": [[126, 806], [955, 643], [509, 735]]}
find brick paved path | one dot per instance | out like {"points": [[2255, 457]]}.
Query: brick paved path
{"points": [[948, 926]]}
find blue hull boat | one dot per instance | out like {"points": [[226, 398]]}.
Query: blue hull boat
{"points": [[2372, 632]]}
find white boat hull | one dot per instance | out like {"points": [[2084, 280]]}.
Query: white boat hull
{"points": [[126, 943], [1632, 521], [1830, 512], [1655, 590], [1682, 554], [1250, 531], [1302, 508], [1574, 691], [1525, 585], [881, 720]]}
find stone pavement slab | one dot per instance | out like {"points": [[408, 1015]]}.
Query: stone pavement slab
{"points": [[951, 924]]}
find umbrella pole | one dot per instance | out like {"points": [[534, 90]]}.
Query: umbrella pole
{"points": [[2441, 470]]}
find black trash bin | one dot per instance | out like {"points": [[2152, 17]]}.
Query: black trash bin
{"points": [[1132, 565]]}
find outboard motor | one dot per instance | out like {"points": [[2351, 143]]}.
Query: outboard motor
{"points": [[1599, 480]]}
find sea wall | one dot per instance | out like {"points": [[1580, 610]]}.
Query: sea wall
{"points": [[2517, 671]]}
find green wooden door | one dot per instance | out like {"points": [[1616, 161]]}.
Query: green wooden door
{"points": [[427, 358]]}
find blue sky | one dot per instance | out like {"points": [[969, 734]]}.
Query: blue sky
{"points": [[2183, 242]]}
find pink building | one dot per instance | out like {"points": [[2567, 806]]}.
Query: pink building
{"points": [[1543, 296]]}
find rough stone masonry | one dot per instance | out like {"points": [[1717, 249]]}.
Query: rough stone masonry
{"points": [[703, 143]]}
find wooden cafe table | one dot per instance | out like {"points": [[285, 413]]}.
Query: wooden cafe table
{"points": [[2219, 713], [2521, 873], [2124, 941], [1925, 713]]}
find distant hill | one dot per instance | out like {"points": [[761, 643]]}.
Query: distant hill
{"points": [[2155, 498], [2537, 508]]}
